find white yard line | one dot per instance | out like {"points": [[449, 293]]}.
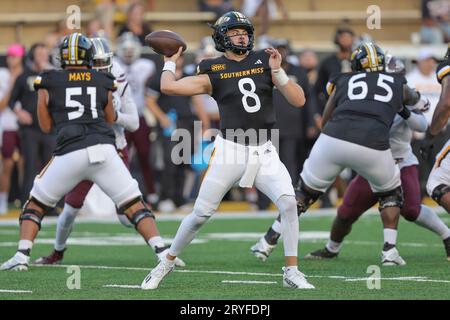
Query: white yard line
{"points": [[137, 241], [344, 278], [415, 279], [248, 282], [15, 291], [125, 286]]}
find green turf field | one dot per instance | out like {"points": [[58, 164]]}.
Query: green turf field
{"points": [[111, 255]]}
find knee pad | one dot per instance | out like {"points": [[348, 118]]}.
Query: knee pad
{"points": [[32, 214], [393, 198], [305, 198], [124, 220], [439, 192], [139, 215]]}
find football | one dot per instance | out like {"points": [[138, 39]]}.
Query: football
{"points": [[165, 42]]}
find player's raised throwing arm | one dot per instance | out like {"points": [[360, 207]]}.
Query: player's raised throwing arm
{"points": [[442, 111], [187, 86], [290, 90]]}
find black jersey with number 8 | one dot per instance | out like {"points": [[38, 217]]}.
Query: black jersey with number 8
{"points": [[243, 90]]}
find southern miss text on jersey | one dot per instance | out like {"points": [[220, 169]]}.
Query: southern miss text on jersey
{"points": [[77, 99], [365, 107], [243, 90]]}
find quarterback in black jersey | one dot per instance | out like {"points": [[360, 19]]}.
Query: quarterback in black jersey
{"points": [[356, 124], [242, 82], [77, 101], [438, 185]]}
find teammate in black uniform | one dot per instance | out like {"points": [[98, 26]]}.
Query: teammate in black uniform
{"points": [[77, 101], [241, 81], [356, 124]]}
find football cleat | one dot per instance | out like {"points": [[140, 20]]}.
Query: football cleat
{"points": [[162, 254], [262, 249], [447, 247], [53, 258], [292, 278], [391, 257], [322, 254], [158, 273], [19, 262]]}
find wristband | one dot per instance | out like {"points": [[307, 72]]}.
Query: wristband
{"points": [[170, 66], [280, 76]]}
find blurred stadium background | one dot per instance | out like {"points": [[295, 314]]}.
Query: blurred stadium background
{"points": [[414, 30]]}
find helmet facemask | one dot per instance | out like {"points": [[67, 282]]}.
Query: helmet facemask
{"points": [[103, 63], [102, 55]]}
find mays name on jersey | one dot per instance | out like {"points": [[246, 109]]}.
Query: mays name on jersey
{"points": [[365, 107], [77, 99], [243, 90]]}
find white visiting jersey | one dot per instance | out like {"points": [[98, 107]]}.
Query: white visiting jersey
{"points": [[124, 106], [137, 75], [400, 138], [8, 119], [428, 87]]}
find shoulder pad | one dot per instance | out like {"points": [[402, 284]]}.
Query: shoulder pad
{"points": [[442, 70], [331, 84], [42, 80]]}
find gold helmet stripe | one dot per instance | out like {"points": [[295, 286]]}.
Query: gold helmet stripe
{"points": [[76, 47], [375, 55], [73, 38], [369, 60], [69, 47]]}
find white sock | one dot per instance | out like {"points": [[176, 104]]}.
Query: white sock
{"points": [[186, 232], [390, 236], [276, 226], [25, 245], [156, 242], [64, 226], [287, 206], [429, 219], [333, 246]]}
